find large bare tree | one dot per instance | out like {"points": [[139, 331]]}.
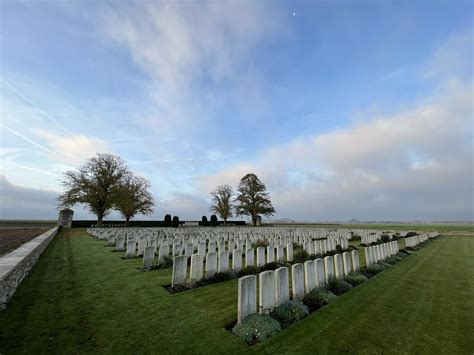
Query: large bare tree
{"points": [[94, 184], [253, 199], [222, 201], [133, 197]]}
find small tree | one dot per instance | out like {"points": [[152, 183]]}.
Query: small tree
{"points": [[253, 199], [204, 221], [167, 220], [214, 221], [133, 197], [94, 184], [222, 202], [175, 221]]}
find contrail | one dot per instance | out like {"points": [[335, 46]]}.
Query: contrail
{"points": [[29, 168], [35, 105], [26, 138]]}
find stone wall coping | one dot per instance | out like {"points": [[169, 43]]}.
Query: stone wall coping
{"points": [[8, 262]]}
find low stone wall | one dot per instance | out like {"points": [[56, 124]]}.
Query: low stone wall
{"points": [[15, 265]]}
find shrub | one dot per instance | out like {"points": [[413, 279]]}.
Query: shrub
{"points": [[318, 297], [249, 270], [260, 243], [411, 234], [384, 264], [256, 327], [338, 287], [300, 255], [354, 278], [221, 276], [402, 254], [167, 220], [175, 221], [204, 221], [355, 237], [373, 270], [339, 248], [385, 238], [393, 259], [269, 266], [167, 263], [291, 312], [214, 222]]}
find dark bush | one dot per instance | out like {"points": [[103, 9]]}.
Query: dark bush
{"points": [[393, 259], [373, 270], [338, 287], [411, 234], [256, 327], [220, 277], [355, 237], [354, 278], [175, 222], [260, 243], [167, 220], [318, 297], [402, 254], [300, 255], [249, 270], [290, 312], [384, 264], [269, 266], [214, 222], [339, 248], [167, 263], [204, 221], [385, 238]]}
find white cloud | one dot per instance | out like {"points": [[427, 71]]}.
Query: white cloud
{"points": [[195, 54], [72, 150], [416, 164]]}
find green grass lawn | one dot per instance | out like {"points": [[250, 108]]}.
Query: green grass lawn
{"points": [[83, 298]]}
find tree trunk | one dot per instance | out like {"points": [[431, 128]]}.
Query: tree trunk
{"points": [[127, 220], [99, 220], [254, 220]]}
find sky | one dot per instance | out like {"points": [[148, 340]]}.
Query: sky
{"points": [[344, 109]]}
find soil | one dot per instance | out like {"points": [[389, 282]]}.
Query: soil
{"points": [[12, 238]]}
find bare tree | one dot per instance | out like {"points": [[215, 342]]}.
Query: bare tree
{"points": [[133, 197], [94, 184], [253, 199], [222, 202]]}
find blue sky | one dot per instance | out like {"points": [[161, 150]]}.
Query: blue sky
{"points": [[345, 109]]}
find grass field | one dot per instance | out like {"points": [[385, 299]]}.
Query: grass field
{"points": [[427, 227], [83, 298]]}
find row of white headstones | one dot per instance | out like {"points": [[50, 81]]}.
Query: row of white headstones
{"points": [[274, 287], [418, 239]]}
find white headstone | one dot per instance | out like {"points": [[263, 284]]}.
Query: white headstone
{"points": [[328, 268], [297, 281], [267, 292], [236, 260], [180, 266], [282, 286], [309, 276], [211, 264], [247, 297], [197, 266]]}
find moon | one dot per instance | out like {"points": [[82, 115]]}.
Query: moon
{"points": [[294, 14]]}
